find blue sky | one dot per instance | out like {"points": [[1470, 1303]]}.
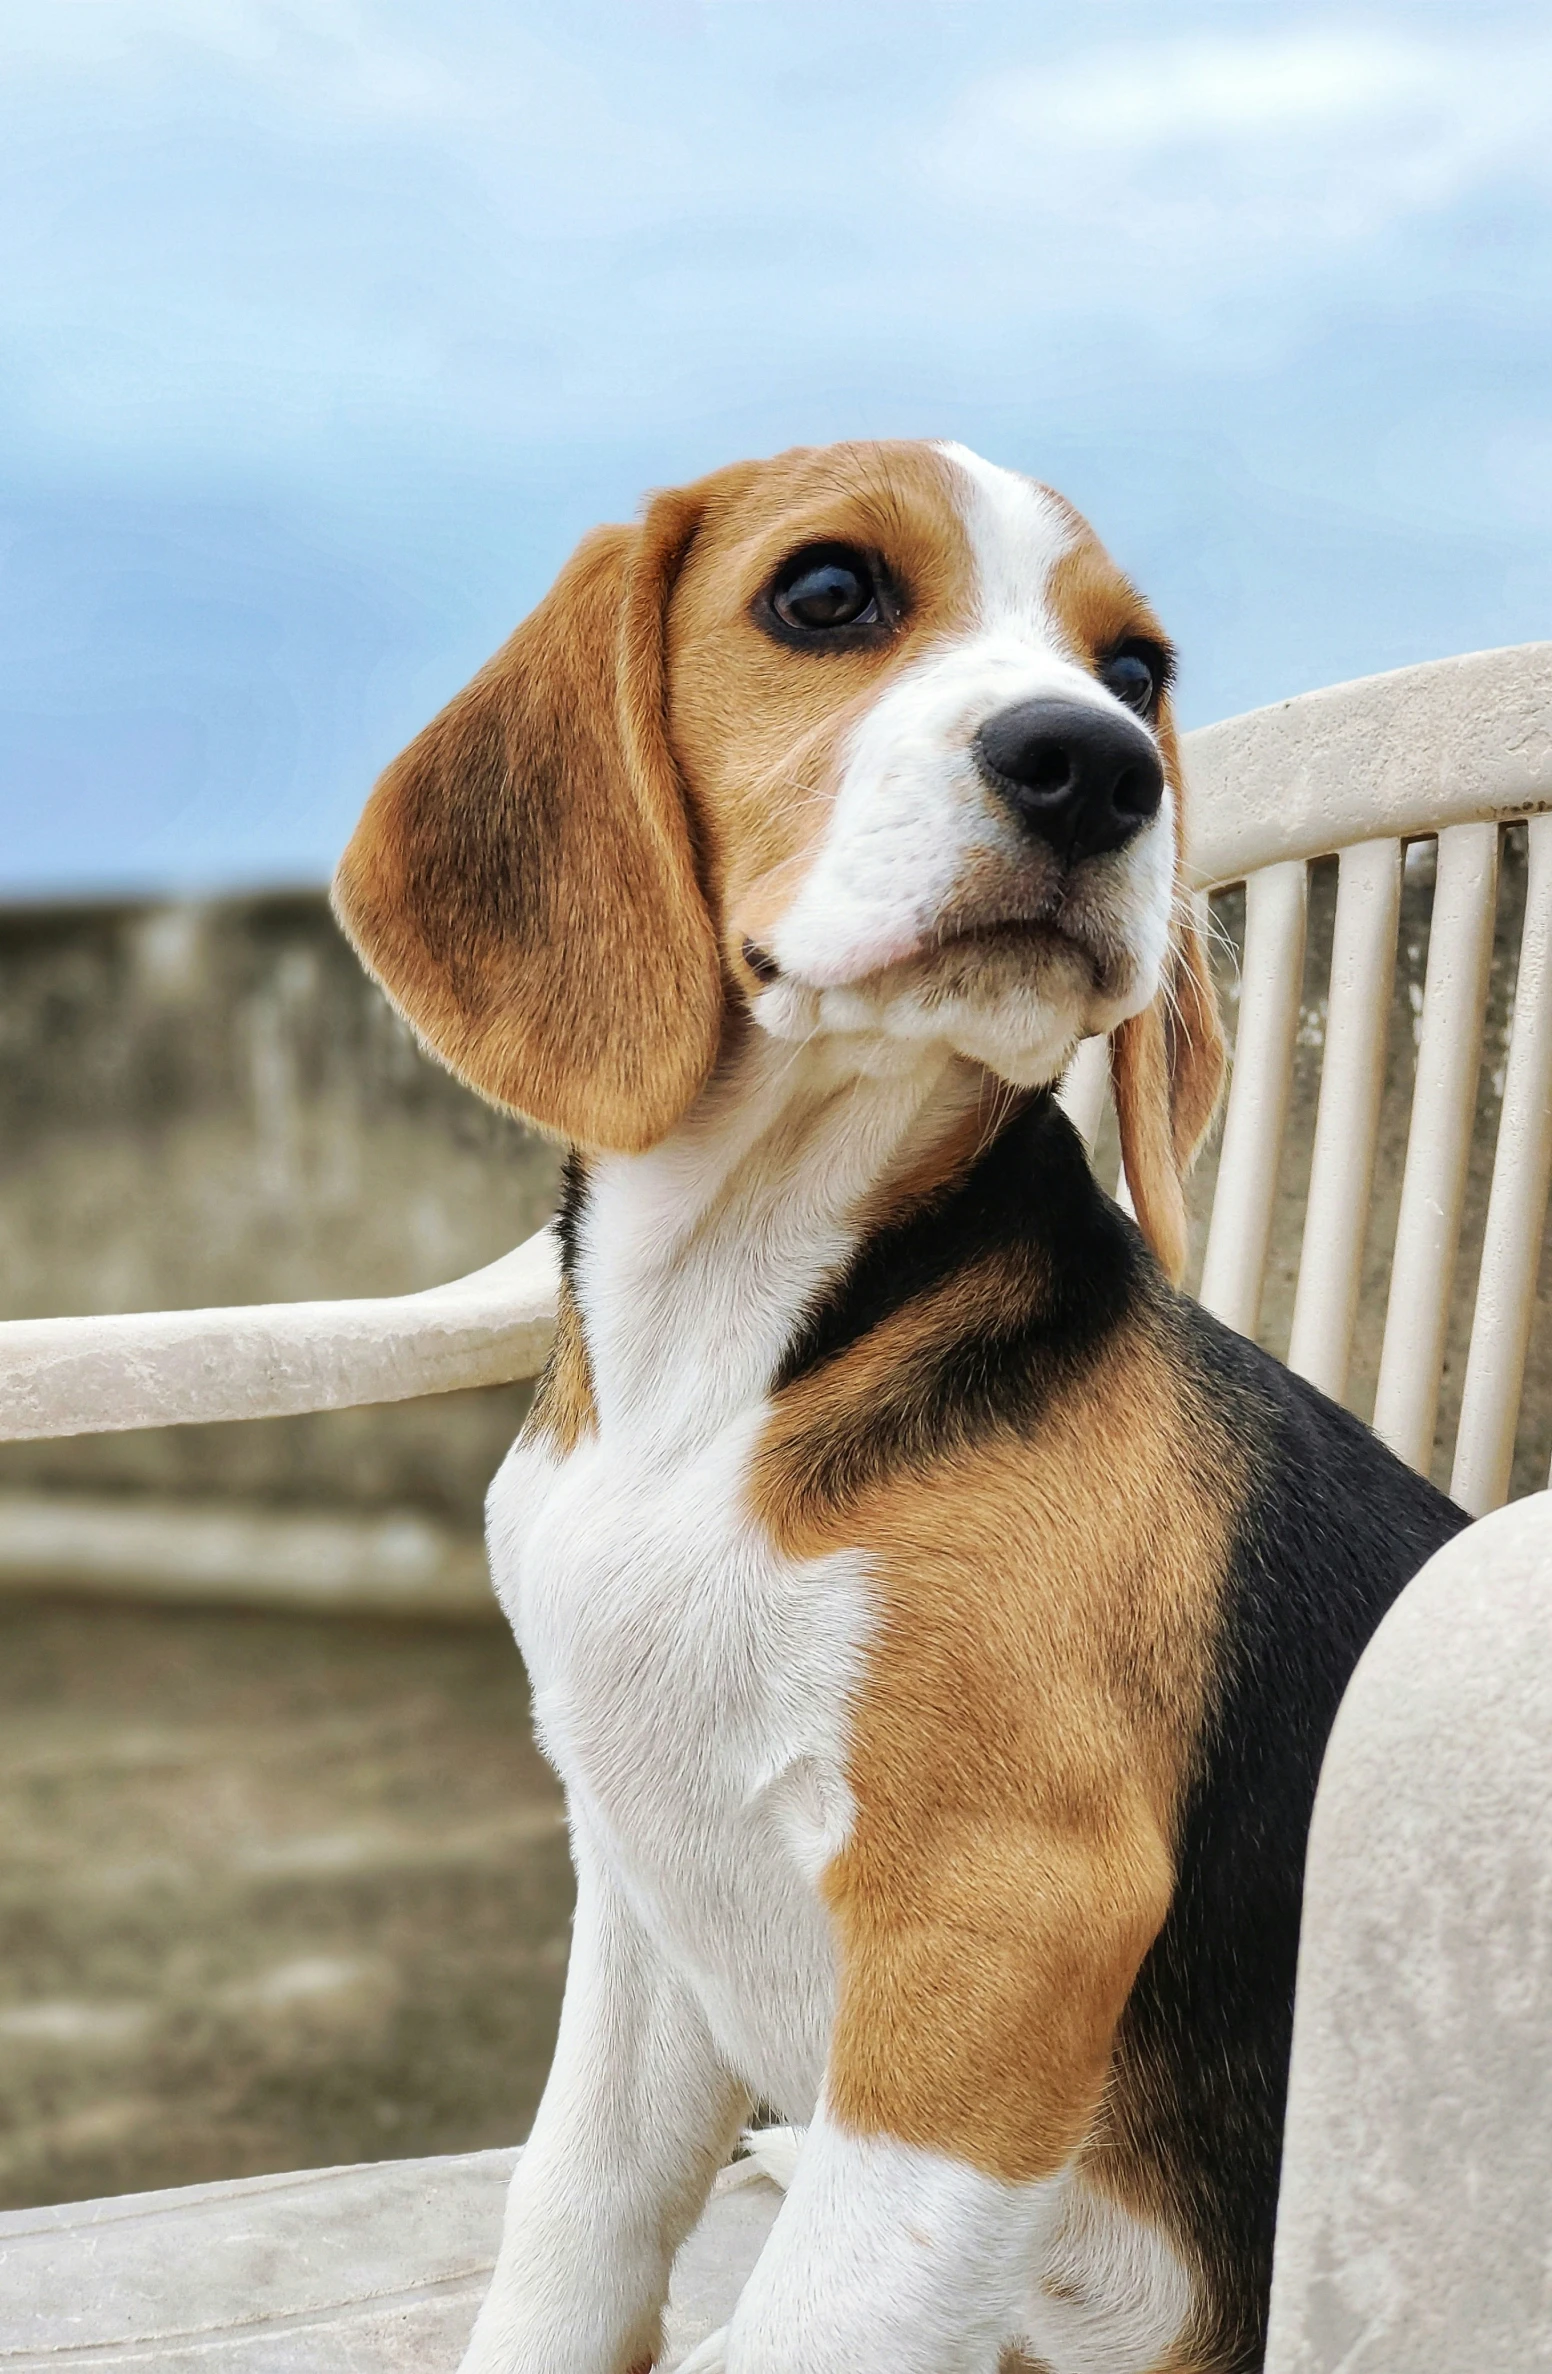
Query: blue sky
{"points": [[325, 329]]}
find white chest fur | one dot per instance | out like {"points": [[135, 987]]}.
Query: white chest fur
{"points": [[691, 1688]]}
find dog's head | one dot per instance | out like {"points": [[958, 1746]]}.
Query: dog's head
{"points": [[870, 741]]}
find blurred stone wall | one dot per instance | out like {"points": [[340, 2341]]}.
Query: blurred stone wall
{"points": [[210, 1103]]}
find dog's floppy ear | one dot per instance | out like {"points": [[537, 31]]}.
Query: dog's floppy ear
{"points": [[522, 881], [1167, 1066]]}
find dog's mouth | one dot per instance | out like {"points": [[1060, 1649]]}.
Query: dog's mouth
{"points": [[1032, 943], [999, 947], [1007, 931], [919, 951], [1000, 936]]}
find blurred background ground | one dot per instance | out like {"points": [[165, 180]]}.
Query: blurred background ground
{"points": [[280, 1890], [276, 1892]]}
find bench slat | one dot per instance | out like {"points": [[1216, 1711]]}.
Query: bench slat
{"points": [[1347, 1119], [1433, 1184], [1516, 1211]]}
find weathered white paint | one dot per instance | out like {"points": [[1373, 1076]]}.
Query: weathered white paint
{"points": [[1240, 1236], [1511, 1247], [1455, 741], [1415, 2227], [1347, 1125], [271, 1360], [328, 2271]]}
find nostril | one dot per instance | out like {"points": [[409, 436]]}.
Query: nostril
{"points": [[1019, 745], [1046, 769], [1135, 794]]}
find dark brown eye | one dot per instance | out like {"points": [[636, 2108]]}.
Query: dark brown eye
{"points": [[1137, 673], [826, 587]]}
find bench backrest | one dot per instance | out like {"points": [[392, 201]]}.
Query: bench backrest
{"points": [[1447, 755]]}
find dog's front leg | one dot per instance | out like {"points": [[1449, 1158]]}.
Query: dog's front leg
{"points": [[637, 2116], [885, 2259], [984, 1969]]}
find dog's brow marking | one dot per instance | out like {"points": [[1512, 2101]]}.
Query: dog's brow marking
{"points": [[1017, 532]]}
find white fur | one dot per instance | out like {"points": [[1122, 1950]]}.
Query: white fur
{"points": [[615, 2169], [697, 1257], [886, 2256], [691, 1686], [912, 820], [1090, 2290], [1108, 2293]]}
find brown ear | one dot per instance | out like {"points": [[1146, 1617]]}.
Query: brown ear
{"points": [[522, 880], [1167, 1066]]}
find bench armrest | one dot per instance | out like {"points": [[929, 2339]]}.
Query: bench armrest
{"points": [[1417, 2174], [272, 1360]]}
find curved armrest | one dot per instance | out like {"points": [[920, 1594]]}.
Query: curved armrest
{"points": [[1417, 2163], [272, 1360]]}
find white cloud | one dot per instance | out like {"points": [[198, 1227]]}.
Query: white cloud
{"points": [[1219, 89], [1243, 147]]}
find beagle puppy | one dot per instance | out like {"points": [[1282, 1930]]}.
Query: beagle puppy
{"points": [[935, 1618]]}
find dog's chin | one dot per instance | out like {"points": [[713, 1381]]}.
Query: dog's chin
{"points": [[1014, 998]]}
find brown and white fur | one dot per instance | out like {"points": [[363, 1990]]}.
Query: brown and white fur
{"points": [[888, 1536]]}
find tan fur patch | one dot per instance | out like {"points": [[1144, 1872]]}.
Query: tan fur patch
{"points": [[563, 1407], [1047, 1607], [1167, 1063], [764, 789], [1094, 603]]}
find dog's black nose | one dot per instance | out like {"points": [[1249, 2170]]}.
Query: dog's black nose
{"points": [[1076, 778]]}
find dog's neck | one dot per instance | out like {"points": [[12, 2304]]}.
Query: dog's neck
{"points": [[693, 1264]]}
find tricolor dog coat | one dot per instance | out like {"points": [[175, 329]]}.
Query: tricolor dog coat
{"points": [[935, 1618]]}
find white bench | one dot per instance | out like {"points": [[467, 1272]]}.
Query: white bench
{"points": [[371, 2270], [1415, 2228]]}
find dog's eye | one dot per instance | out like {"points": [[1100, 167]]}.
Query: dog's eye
{"points": [[824, 587], [1137, 673]]}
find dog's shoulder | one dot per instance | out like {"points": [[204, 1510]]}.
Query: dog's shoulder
{"points": [[1121, 1554]]}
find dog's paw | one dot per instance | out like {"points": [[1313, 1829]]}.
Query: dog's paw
{"points": [[774, 2151], [709, 2358]]}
